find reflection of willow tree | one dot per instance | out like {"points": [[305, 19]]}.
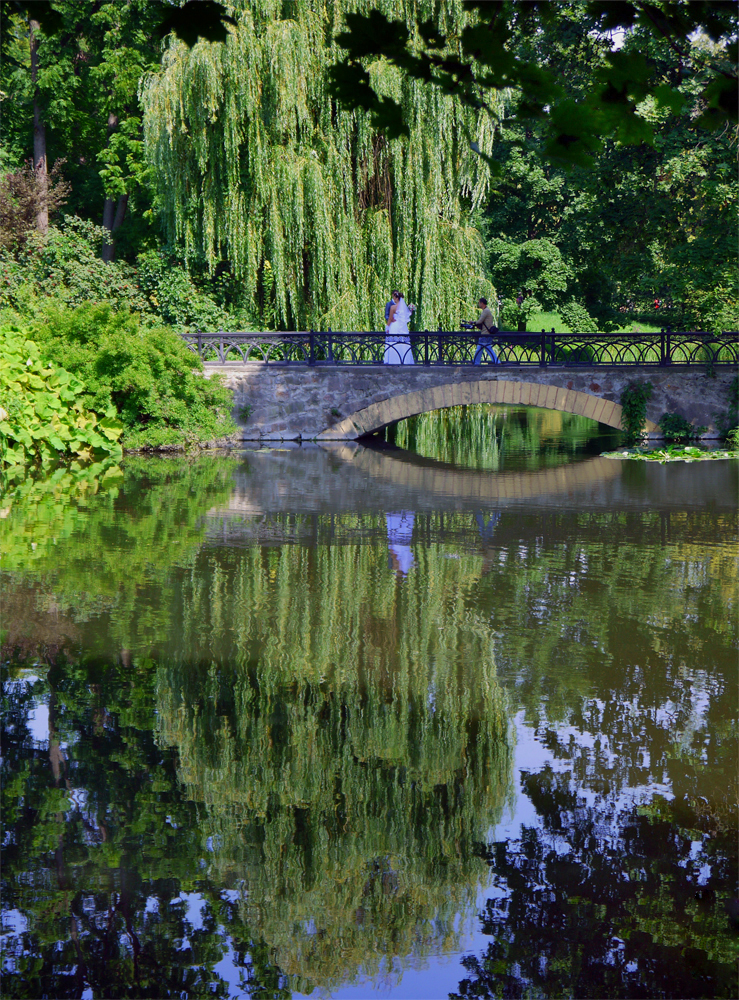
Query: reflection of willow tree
{"points": [[349, 740], [480, 436]]}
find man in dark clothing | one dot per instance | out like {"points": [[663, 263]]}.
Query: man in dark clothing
{"points": [[486, 324]]}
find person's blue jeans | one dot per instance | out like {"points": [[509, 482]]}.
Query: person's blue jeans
{"points": [[485, 344]]}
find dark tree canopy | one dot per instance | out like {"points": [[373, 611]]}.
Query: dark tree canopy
{"points": [[485, 57]]}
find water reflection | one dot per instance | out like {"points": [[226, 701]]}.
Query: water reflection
{"points": [[399, 537], [486, 526], [236, 750], [501, 438]]}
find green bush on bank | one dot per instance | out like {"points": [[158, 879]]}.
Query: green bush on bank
{"points": [[154, 382], [44, 414], [65, 268]]}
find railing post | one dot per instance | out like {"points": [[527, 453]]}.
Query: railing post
{"points": [[330, 348], [543, 350], [220, 348], [668, 347], [440, 341], [200, 343], [312, 358], [425, 347]]}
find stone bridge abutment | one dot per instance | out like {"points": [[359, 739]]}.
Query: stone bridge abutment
{"points": [[335, 403]]}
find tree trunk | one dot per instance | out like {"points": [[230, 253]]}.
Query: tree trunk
{"points": [[109, 206], [39, 136], [120, 212], [112, 223]]}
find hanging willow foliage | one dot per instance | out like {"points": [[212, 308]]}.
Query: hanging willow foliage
{"points": [[316, 213]]}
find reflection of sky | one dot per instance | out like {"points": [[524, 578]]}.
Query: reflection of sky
{"points": [[38, 716], [38, 723]]}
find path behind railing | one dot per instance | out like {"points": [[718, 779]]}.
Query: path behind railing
{"points": [[626, 350]]}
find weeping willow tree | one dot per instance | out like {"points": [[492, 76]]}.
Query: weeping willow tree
{"points": [[317, 214], [346, 736]]}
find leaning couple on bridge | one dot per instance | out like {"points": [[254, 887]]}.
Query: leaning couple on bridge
{"points": [[398, 350]]}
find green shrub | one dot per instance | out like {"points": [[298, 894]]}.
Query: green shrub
{"points": [[634, 400], [153, 380], [65, 266], [43, 416], [576, 318], [677, 428]]}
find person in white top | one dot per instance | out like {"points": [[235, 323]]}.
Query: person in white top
{"points": [[397, 338]]}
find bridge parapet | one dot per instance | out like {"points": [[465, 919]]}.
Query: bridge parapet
{"points": [[445, 349]]}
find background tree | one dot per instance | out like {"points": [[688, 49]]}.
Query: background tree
{"points": [[616, 163], [477, 59], [646, 222], [71, 72]]}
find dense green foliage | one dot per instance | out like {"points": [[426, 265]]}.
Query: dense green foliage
{"points": [[152, 380], [634, 399], [264, 181], [64, 268], [44, 414]]}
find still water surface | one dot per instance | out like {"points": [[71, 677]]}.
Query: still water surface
{"points": [[453, 718]]}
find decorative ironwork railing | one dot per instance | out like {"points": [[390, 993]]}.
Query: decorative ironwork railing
{"points": [[461, 348]]}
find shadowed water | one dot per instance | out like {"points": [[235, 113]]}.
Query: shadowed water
{"points": [[373, 721]]}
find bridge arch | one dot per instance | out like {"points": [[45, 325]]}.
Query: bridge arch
{"points": [[549, 397]]}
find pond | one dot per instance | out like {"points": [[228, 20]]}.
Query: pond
{"points": [[450, 712]]}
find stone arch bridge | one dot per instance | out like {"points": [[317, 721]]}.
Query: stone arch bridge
{"points": [[302, 402]]}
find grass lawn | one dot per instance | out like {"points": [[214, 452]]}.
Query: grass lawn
{"points": [[549, 321]]}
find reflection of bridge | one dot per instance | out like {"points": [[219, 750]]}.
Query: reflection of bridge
{"points": [[293, 402], [291, 493]]}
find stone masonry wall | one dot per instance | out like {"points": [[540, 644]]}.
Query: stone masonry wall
{"points": [[304, 403]]}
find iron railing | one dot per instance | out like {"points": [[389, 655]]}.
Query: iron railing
{"points": [[427, 348]]}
